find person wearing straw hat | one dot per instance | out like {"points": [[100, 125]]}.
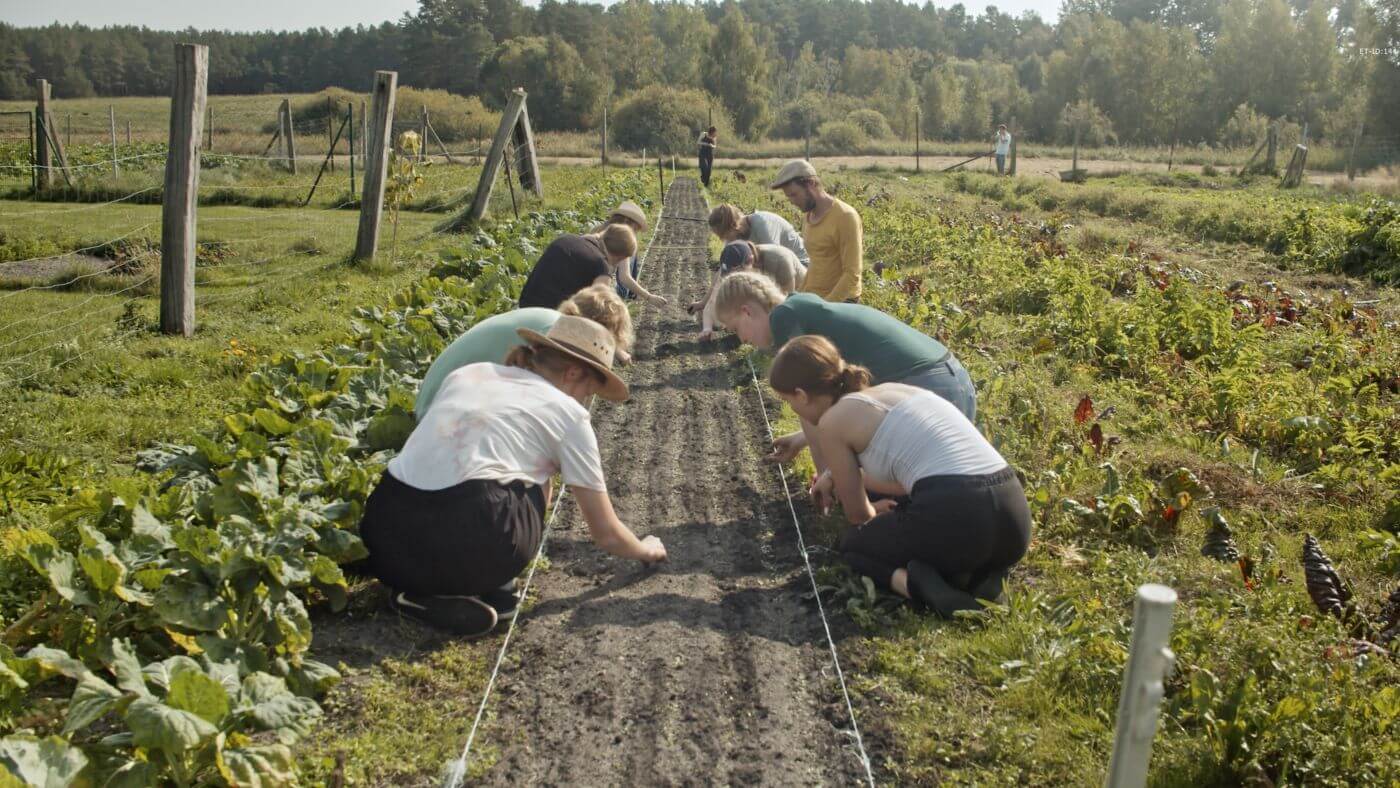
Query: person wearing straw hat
{"points": [[831, 232], [459, 513], [776, 262], [630, 215]]}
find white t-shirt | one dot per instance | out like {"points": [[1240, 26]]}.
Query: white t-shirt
{"points": [[925, 435], [1003, 143], [770, 228], [490, 421]]}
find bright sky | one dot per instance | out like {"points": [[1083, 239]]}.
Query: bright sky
{"points": [[284, 14]]}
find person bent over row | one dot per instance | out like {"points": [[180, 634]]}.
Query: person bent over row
{"points": [[494, 337], [728, 223], [459, 513], [573, 262], [776, 262], [762, 316], [965, 521]]}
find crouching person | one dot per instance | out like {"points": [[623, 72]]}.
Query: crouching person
{"points": [[965, 521], [459, 513]]}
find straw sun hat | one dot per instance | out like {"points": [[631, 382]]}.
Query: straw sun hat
{"points": [[586, 342], [633, 211]]}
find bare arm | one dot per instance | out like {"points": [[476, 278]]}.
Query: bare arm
{"points": [[707, 317], [611, 534], [624, 277], [812, 435], [847, 477]]}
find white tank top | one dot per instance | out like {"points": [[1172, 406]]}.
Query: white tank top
{"points": [[925, 435]]}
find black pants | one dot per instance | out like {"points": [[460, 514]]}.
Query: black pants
{"points": [[707, 162], [460, 541], [966, 527]]}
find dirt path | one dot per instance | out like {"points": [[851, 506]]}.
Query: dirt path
{"points": [[709, 670]]}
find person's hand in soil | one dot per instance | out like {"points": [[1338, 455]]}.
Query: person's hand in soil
{"points": [[622, 357], [707, 335], [695, 306], [786, 448], [823, 492], [655, 551], [658, 301]]}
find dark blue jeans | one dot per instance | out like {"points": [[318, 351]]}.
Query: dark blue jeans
{"points": [[951, 382], [623, 292]]}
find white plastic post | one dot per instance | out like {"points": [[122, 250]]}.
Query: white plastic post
{"points": [[1149, 662]]}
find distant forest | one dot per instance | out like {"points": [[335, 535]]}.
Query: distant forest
{"points": [[1123, 71]]}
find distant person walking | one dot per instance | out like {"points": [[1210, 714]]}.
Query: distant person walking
{"points": [[1003, 139], [831, 232], [707, 143]]}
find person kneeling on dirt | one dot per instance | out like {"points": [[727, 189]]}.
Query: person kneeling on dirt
{"points": [[962, 521], [493, 338], [630, 214], [573, 262], [776, 262], [755, 309], [459, 513], [728, 223]]}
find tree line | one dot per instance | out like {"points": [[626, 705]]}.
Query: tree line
{"points": [[1121, 71]]}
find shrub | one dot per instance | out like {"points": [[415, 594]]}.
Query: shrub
{"points": [[872, 123], [666, 120], [808, 113], [454, 118], [840, 137]]}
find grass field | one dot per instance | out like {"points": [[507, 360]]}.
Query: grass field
{"points": [[1241, 333]]}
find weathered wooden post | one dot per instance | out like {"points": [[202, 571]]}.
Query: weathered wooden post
{"points": [[605, 139], [1351, 156], [33, 159], [128, 132], [350, 115], [515, 131], [68, 130], [179, 203], [1011, 170], [423, 136], [376, 164], [1271, 157], [112, 125], [43, 158], [330, 131], [1149, 661], [289, 146], [917, 135]]}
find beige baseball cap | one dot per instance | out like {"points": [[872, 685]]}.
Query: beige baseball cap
{"points": [[797, 168], [633, 211], [586, 341]]}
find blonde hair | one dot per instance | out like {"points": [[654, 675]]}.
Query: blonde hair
{"points": [[601, 304], [725, 219], [747, 287], [619, 240], [813, 364]]}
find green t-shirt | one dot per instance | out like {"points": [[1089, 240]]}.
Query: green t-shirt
{"points": [[490, 340], [891, 350]]}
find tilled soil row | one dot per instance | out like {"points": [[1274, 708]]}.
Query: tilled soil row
{"points": [[711, 668]]}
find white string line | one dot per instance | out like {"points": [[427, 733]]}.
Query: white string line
{"points": [[457, 770], [87, 207], [816, 592], [103, 163], [70, 308], [128, 234]]}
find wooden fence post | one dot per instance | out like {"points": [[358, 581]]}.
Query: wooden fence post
{"points": [[1351, 156], [1011, 171], [68, 127], [605, 139], [289, 146], [180, 201], [376, 164], [509, 132], [1271, 158], [33, 159], [423, 136], [128, 132], [918, 167], [330, 136], [43, 158], [1149, 661], [112, 125], [350, 113]]}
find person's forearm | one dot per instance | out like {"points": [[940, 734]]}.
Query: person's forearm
{"points": [[810, 435], [625, 277], [608, 532]]}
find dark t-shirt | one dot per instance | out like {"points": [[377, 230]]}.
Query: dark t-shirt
{"points": [[567, 266], [891, 350]]}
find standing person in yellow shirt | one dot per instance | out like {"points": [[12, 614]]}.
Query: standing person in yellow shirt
{"points": [[831, 232]]}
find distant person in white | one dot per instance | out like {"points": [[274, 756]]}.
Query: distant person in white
{"points": [[1003, 147]]}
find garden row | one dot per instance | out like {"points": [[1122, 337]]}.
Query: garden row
{"points": [[1356, 237], [175, 609], [1169, 429]]}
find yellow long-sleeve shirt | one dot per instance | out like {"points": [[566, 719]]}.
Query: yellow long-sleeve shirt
{"points": [[834, 245]]}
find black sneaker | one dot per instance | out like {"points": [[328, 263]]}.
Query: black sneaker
{"points": [[504, 600], [466, 616]]}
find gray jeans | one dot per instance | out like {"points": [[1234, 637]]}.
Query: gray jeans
{"points": [[951, 382]]}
